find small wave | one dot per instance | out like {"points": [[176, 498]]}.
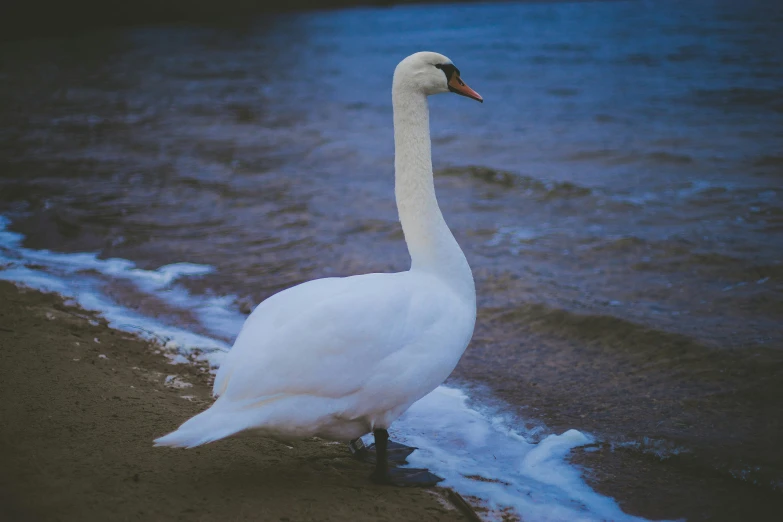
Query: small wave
{"points": [[559, 59], [763, 476], [644, 59], [740, 97], [544, 190], [663, 157], [568, 47], [659, 448], [563, 92], [687, 53], [674, 247], [681, 255], [616, 157], [695, 462], [656, 346], [768, 161], [589, 155], [619, 244], [702, 193], [514, 238]]}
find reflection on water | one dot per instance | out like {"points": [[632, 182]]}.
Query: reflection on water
{"points": [[618, 195]]}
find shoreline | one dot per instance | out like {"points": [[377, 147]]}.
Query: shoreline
{"points": [[83, 403]]}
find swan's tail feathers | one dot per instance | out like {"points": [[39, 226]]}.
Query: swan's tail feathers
{"points": [[204, 428], [222, 420]]}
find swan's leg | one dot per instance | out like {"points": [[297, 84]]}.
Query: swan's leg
{"points": [[381, 457], [383, 474]]}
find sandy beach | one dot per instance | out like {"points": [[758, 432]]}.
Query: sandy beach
{"points": [[82, 403]]}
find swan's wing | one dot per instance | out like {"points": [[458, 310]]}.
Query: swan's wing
{"points": [[330, 336]]}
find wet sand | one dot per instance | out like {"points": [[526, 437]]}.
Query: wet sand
{"points": [[81, 404]]}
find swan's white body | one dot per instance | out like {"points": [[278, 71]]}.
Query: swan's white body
{"points": [[340, 357]]}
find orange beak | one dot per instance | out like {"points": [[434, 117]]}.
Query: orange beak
{"points": [[457, 85]]}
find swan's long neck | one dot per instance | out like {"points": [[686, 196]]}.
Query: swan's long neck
{"points": [[431, 245]]}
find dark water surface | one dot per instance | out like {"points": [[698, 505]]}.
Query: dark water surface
{"points": [[619, 196]]}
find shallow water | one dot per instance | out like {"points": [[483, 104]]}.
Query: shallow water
{"points": [[619, 195]]}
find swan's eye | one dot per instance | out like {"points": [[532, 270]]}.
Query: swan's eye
{"points": [[448, 69]]}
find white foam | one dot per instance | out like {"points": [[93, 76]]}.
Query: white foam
{"points": [[480, 453], [78, 276], [516, 239], [458, 441]]}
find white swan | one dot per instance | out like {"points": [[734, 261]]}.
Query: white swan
{"points": [[340, 357]]}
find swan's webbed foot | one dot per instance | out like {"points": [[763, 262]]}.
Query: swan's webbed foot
{"points": [[384, 451], [406, 477], [396, 453]]}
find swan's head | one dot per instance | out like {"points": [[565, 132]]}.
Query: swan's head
{"points": [[431, 73]]}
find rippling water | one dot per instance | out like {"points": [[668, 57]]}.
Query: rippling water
{"points": [[619, 194]]}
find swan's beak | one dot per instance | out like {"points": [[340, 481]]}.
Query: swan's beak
{"points": [[457, 85]]}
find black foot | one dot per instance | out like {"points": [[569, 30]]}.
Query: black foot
{"points": [[385, 451], [396, 453], [406, 477]]}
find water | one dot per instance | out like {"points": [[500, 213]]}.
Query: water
{"points": [[618, 195]]}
